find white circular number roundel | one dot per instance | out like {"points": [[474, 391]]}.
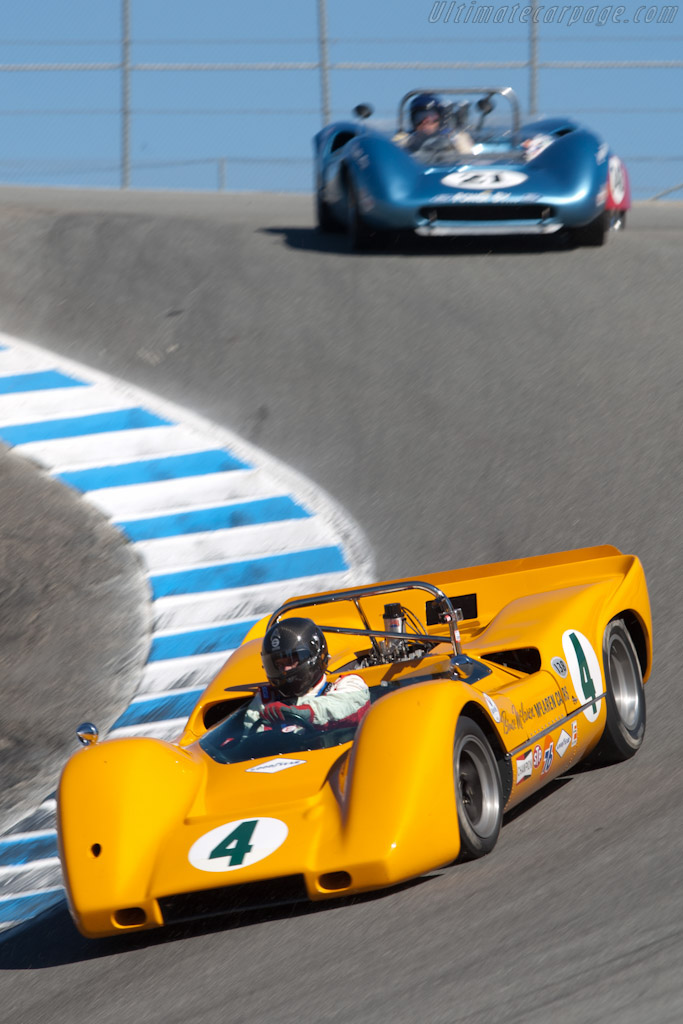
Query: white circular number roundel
{"points": [[617, 181], [585, 671], [484, 180], [237, 844]]}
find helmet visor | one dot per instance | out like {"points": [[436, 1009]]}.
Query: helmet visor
{"points": [[278, 664]]}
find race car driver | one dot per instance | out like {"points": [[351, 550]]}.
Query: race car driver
{"points": [[430, 118], [295, 656], [426, 119]]}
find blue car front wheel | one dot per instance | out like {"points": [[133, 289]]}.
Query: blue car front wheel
{"points": [[359, 233], [326, 222], [593, 234]]}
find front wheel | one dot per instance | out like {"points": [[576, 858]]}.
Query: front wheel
{"points": [[593, 234], [360, 235], [326, 222], [478, 791], [624, 696]]}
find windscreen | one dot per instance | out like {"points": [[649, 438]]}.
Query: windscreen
{"points": [[238, 738], [475, 127]]}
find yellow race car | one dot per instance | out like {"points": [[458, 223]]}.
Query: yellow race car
{"points": [[486, 684]]}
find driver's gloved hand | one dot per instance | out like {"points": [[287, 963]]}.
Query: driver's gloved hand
{"points": [[275, 711]]}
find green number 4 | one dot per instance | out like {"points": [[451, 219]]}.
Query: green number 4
{"points": [[236, 845], [587, 684]]}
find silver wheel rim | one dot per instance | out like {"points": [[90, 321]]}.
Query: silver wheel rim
{"points": [[475, 780], [625, 681]]}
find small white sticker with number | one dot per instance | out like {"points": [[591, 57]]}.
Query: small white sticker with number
{"points": [[559, 666]]}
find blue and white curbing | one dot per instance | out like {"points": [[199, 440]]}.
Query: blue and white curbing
{"points": [[224, 531]]}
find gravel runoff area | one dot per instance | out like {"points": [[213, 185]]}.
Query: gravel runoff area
{"points": [[73, 628]]}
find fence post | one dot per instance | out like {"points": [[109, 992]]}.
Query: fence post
{"points": [[125, 93], [533, 59], [323, 59]]}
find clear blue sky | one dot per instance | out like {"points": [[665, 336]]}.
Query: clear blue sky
{"points": [[64, 127]]}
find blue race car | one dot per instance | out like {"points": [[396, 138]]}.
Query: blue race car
{"points": [[467, 167]]}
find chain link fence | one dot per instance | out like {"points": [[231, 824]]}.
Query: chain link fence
{"points": [[121, 117]]}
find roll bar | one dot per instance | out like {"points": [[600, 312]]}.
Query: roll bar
{"points": [[451, 615], [487, 92]]}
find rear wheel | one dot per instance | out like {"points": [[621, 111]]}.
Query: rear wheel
{"points": [[624, 697], [478, 792]]}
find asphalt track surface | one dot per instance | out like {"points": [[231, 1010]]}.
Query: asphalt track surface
{"points": [[465, 403]]}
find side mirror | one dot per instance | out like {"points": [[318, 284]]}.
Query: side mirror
{"points": [[88, 733], [362, 111], [484, 105]]}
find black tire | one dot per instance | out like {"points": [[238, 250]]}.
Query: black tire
{"points": [[478, 792], [624, 697], [360, 235], [326, 222], [593, 234]]}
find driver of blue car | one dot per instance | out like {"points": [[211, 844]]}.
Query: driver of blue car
{"points": [[298, 694], [426, 119], [431, 118]]}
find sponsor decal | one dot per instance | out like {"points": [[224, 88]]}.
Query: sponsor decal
{"points": [[601, 154], [547, 705], [575, 732], [237, 844], [617, 179], [548, 753], [278, 764], [492, 706], [524, 766], [482, 180], [538, 755], [563, 741], [511, 722], [585, 671], [559, 666], [486, 197], [535, 146], [275, 641]]}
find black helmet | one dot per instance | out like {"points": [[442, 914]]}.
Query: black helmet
{"points": [[425, 103], [294, 656]]}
